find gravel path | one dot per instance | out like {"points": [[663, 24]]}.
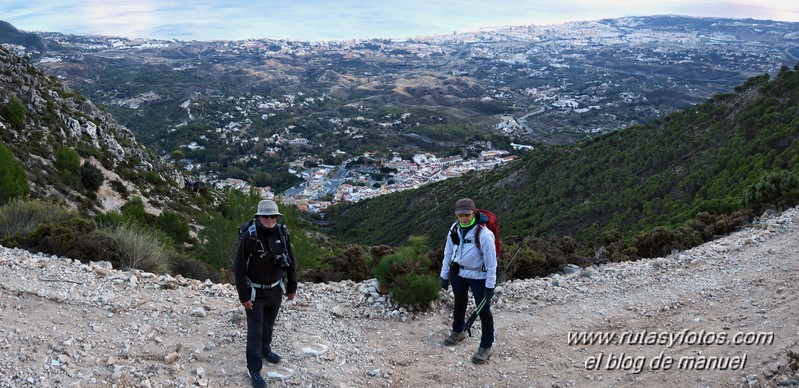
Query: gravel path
{"points": [[668, 322]]}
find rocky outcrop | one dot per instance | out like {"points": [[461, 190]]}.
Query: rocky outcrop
{"points": [[56, 117]]}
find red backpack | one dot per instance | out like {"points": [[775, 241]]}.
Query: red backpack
{"points": [[492, 224]]}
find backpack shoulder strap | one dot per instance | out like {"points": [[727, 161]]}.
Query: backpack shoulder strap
{"points": [[251, 240], [453, 233], [477, 234]]}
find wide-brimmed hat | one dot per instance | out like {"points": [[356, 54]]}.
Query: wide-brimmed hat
{"points": [[267, 207], [464, 206]]}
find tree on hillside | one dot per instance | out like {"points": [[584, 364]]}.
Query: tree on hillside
{"points": [[13, 179], [91, 177], [775, 188], [220, 235], [173, 226], [67, 161], [15, 112]]}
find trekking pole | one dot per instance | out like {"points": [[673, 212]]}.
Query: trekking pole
{"points": [[473, 317], [507, 266]]}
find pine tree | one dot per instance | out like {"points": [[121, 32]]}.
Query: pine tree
{"points": [[13, 179], [15, 112]]}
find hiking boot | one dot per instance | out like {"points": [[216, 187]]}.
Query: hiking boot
{"points": [[482, 355], [272, 357], [257, 380], [454, 338]]}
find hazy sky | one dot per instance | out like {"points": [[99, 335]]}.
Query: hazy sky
{"points": [[345, 19]]}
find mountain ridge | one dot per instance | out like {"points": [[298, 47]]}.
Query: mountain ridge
{"points": [[57, 117]]}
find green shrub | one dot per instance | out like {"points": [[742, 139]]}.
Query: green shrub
{"points": [[529, 264], [133, 211], [152, 177], [415, 289], [140, 248], [14, 111], [109, 220], [408, 267], [119, 187], [75, 238], [177, 154], [91, 177], [19, 217], [174, 226], [776, 188], [661, 241], [67, 160], [353, 264], [13, 179], [97, 245], [186, 266]]}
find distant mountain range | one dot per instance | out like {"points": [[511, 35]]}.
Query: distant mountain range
{"points": [[533, 85]]}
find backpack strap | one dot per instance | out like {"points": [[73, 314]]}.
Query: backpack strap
{"points": [[453, 233], [477, 234]]}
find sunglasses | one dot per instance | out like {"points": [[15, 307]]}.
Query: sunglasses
{"points": [[275, 217]]}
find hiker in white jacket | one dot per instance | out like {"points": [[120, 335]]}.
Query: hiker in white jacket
{"points": [[469, 265]]}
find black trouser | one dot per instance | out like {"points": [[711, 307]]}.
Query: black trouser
{"points": [[260, 322], [460, 288]]}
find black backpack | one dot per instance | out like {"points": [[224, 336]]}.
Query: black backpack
{"points": [[249, 228]]}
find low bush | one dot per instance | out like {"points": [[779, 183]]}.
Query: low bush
{"points": [[19, 216], [91, 177], [353, 264], [406, 274], [174, 226], [186, 266], [67, 161], [75, 238], [660, 241], [779, 189], [140, 248], [417, 289], [15, 112]]}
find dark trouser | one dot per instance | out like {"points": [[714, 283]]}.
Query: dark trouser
{"points": [[260, 322], [460, 287]]}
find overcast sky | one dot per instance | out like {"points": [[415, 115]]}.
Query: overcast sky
{"points": [[345, 19]]}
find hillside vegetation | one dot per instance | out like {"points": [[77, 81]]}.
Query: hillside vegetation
{"points": [[697, 162], [77, 183]]}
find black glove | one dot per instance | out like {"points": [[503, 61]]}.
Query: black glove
{"points": [[488, 293], [444, 283]]}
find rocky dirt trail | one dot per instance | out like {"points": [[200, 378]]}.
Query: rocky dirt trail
{"points": [[721, 315]]}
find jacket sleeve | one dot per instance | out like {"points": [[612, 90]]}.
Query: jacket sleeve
{"points": [[489, 252], [291, 286], [240, 270], [449, 248]]}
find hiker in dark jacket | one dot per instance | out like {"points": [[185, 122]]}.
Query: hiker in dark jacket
{"points": [[468, 267], [264, 255]]}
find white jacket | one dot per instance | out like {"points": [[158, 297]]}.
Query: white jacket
{"points": [[475, 263]]}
